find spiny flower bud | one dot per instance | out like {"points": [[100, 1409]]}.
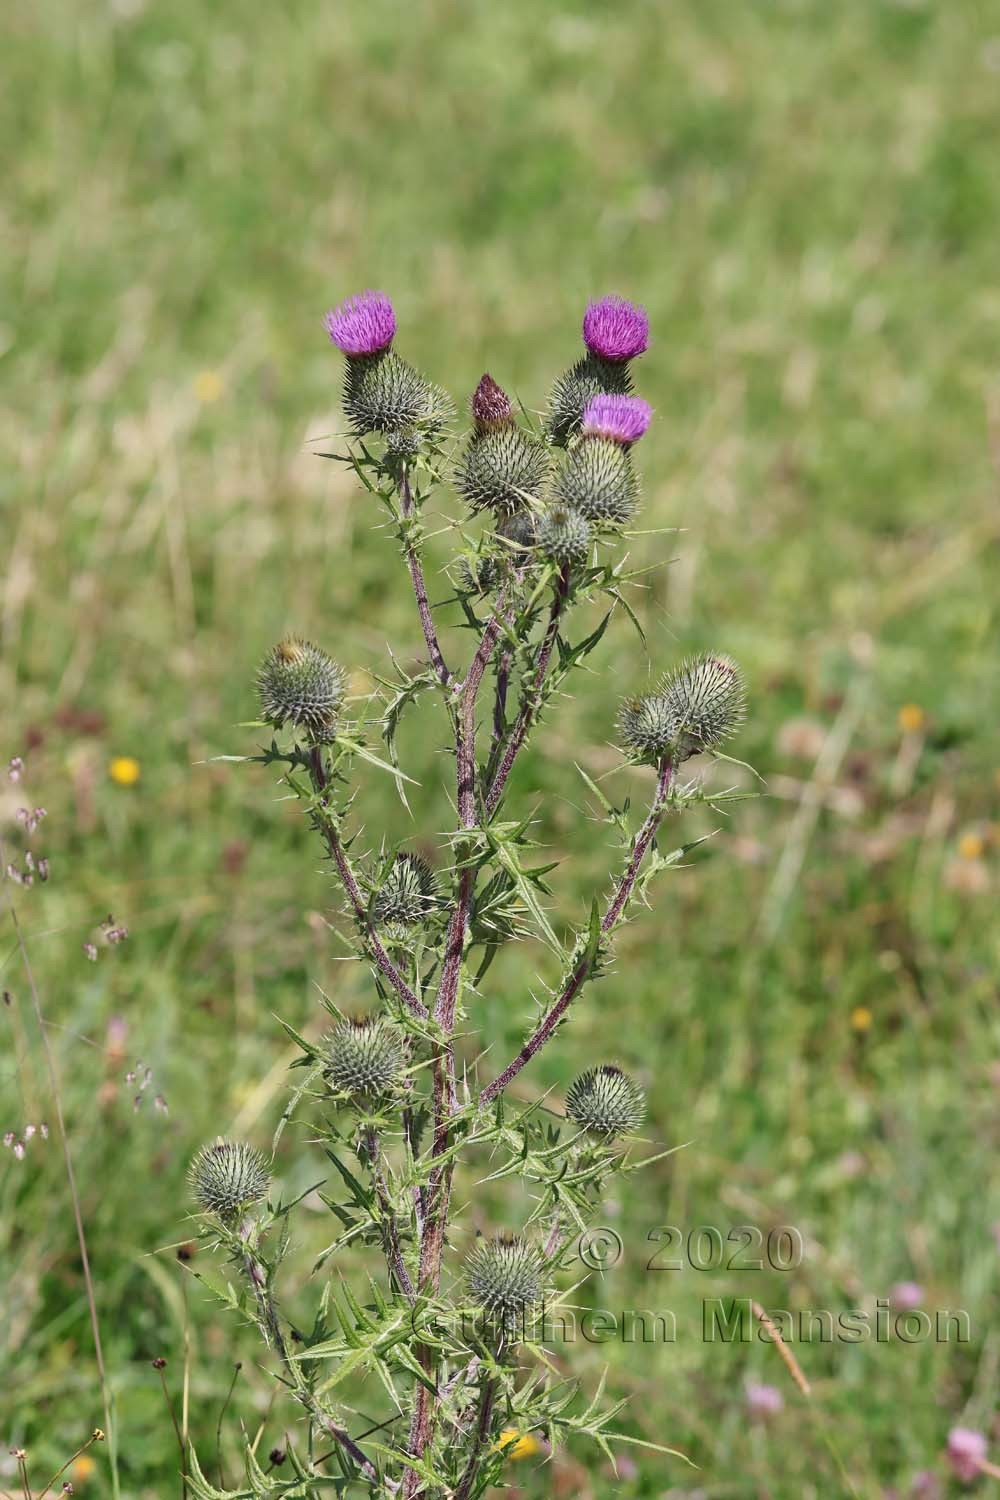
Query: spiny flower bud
{"points": [[695, 708], [383, 393], [299, 684], [408, 893], [520, 529], [504, 1275], [501, 468], [227, 1178], [620, 419], [589, 377], [564, 535], [364, 1058], [491, 406], [616, 330], [480, 575], [606, 1101], [365, 324], [598, 481]]}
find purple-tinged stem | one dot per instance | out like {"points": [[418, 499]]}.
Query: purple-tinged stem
{"points": [[480, 1440], [500, 700], [338, 854], [579, 975], [445, 1101], [419, 587], [533, 701]]}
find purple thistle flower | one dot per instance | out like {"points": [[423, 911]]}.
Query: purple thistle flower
{"points": [[361, 325], [620, 419], [615, 329], [966, 1452], [764, 1400], [907, 1295]]}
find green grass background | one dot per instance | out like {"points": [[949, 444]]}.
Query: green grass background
{"points": [[805, 197]]}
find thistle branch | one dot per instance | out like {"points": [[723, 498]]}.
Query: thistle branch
{"points": [[480, 1439], [327, 825], [579, 975], [270, 1324], [417, 578], [533, 698]]}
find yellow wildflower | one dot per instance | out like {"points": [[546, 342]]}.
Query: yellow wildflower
{"points": [[861, 1018], [208, 386], [971, 846], [520, 1444], [124, 769], [82, 1468], [911, 718]]}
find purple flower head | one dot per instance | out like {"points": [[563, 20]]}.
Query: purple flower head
{"points": [[491, 406], [907, 1295], [615, 329], [764, 1400], [361, 325], [966, 1452], [620, 419]]}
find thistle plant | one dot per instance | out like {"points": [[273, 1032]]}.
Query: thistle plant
{"points": [[401, 1100]]}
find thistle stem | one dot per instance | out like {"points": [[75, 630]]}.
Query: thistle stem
{"points": [[390, 1227], [579, 975], [419, 587], [533, 700], [445, 1101], [271, 1327], [327, 826], [486, 1403]]}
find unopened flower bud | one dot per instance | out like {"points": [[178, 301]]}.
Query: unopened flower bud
{"points": [[597, 480], [606, 1101], [696, 708], [491, 406], [299, 684], [364, 1058], [227, 1178], [502, 469], [564, 535], [504, 1275], [407, 895]]}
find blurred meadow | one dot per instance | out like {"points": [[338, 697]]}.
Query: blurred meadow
{"points": [[806, 198]]}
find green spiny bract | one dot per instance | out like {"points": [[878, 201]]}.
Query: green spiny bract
{"points": [[697, 707], [227, 1178], [363, 1058], [513, 543], [481, 574], [606, 1101], [500, 469], [597, 479], [299, 684], [504, 1275], [563, 535], [383, 393], [590, 376], [407, 895]]}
